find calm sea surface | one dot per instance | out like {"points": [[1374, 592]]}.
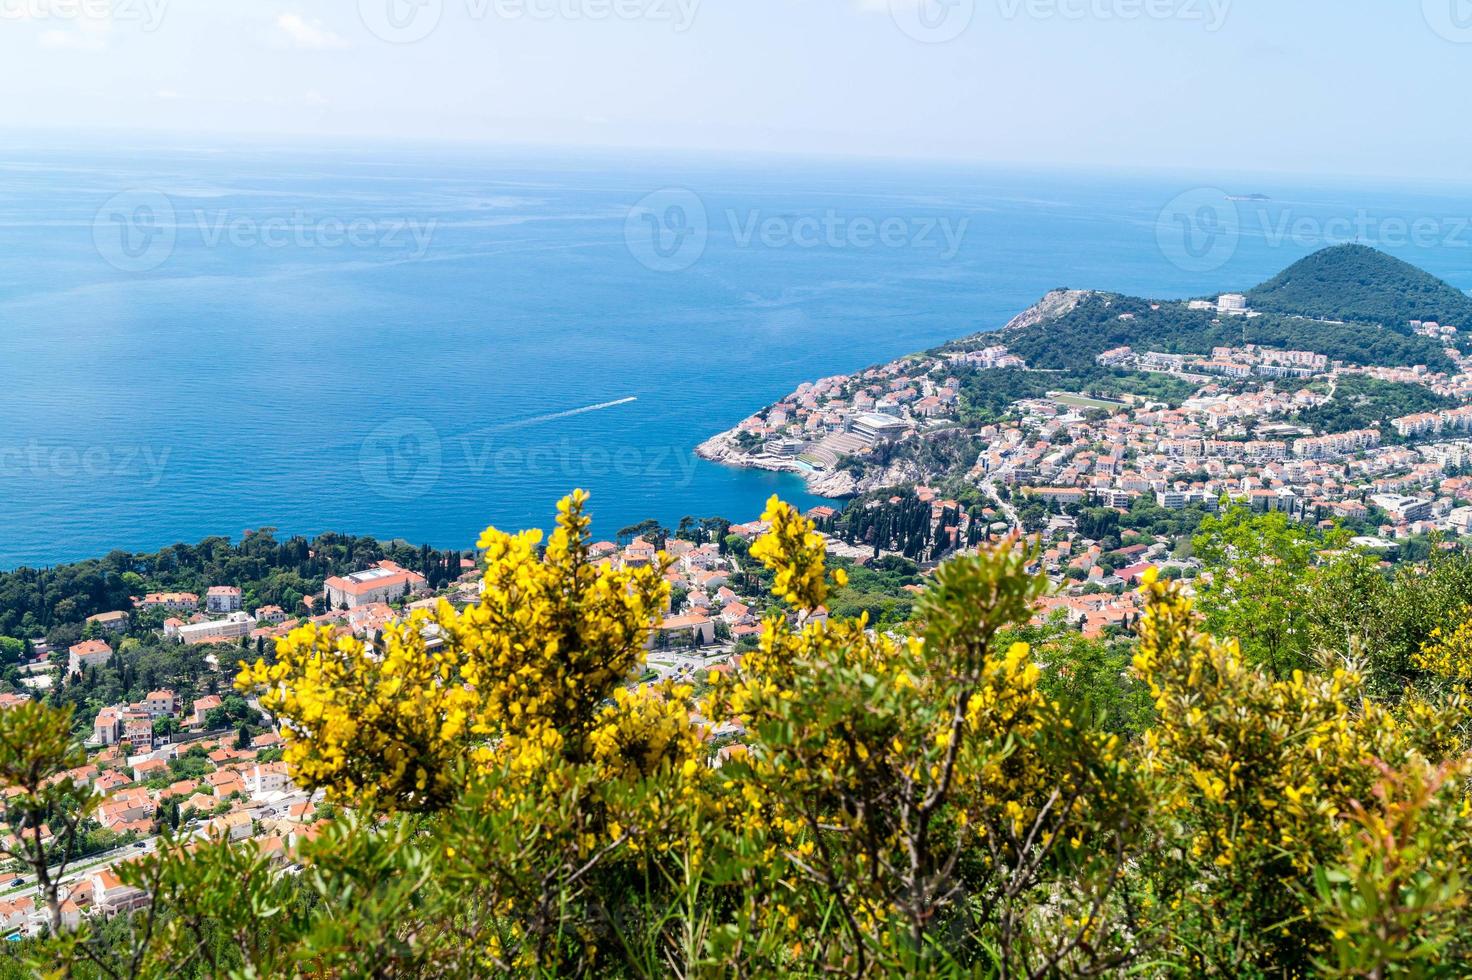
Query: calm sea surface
{"points": [[418, 343]]}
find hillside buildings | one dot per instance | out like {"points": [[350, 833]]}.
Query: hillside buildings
{"points": [[88, 653], [384, 582], [232, 627]]}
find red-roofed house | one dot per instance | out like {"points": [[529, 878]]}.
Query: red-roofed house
{"points": [[736, 613], [149, 768], [693, 628], [203, 706], [110, 895], [172, 601], [224, 599], [160, 704], [88, 653], [1132, 574], [384, 582], [112, 622]]}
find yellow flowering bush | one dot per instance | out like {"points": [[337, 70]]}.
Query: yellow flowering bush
{"points": [[1256, 779], [794, 551], [903, 783], [1448, 653], [523, 675], [840, 800], [514, 718], [390, 725]]}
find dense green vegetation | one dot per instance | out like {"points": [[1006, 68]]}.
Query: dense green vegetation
{"points": [[897, 520], [1072, 341], [56, 601], [1094, 676], [945, 451], [146, 663], [1356, 282], [1361, 403], [877, 589], [988, 396]]}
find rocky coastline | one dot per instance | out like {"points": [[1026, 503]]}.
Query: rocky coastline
{"points": [[834, 484]]}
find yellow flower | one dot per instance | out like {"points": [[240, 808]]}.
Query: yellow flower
{"points": [[521, 678]]}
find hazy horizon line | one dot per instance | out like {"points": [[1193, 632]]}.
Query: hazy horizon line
{"points": [[215, 141]]}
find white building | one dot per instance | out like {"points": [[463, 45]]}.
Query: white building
{"points": [[223, 599], [872, 427], [88, 653], [270, 777], [1402, 508], [232, 627], [160, 704], [385, 582]]}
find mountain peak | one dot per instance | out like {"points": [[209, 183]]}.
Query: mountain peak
{"points": [[1359, 283]]}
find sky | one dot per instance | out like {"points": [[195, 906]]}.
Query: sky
{"points": [[1354, 87]]}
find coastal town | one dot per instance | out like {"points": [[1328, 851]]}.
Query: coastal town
{"points": [[1239, 437]]}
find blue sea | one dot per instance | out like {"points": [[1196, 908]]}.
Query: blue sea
{"points": [[416, 342]]}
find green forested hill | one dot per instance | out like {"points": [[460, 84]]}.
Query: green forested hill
{"points": [[1356, 282], [1371, 297], [1102, 321]]}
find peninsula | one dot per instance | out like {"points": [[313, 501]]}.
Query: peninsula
{"points": [[1339, 384]]}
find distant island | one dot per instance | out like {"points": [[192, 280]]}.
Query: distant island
{"points": [[1248, 197]]}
